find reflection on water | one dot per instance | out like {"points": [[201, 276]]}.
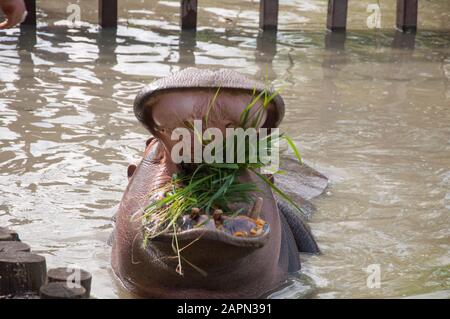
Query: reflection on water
{"points": [[370, 110]]}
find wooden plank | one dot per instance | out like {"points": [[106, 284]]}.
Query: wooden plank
{"points": [[268, 14], [107, 13], [188, 14], [337, 15], [407, 15], [31, 9]]}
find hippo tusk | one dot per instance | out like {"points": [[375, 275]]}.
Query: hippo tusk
{"points": [[256, 210]]}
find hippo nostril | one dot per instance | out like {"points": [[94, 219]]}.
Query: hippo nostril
{"points": [[130, 170]]}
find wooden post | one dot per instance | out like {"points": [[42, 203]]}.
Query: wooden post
{"points": [[188, 14], [13, 247], [76, 276], [31, 9], [268, 14], [337, 15], [21, 273], [404, 41], [407, 15], [335, 41], [60, 290], [186, 47], [8, 235], [266, 46], [107, 13]]}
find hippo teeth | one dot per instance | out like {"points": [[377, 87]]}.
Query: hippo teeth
{"points": [[239, 226], [256, 210]]}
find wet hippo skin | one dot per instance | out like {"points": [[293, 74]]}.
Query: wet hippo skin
{"points": [[216, 264]]}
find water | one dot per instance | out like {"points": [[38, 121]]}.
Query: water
{"points": [[374, 117]]}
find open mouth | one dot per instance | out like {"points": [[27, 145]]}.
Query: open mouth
{"points": [[239, 224], [172, 217], [207, 167]]}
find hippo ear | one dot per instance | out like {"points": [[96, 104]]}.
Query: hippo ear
{"points": [[130, 170]]}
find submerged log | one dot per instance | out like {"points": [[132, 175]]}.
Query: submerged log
{"points": [[8, 235], [61, 290], [21, 273], [75, 276], [13, 247]]}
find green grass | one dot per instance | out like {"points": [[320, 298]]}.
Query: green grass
{"points": [[210, 186]]}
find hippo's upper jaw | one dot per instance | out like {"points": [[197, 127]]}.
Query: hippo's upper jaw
{"points": [[189, 83]]}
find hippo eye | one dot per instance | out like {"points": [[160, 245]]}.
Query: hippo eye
{"points": [[130, 170]]}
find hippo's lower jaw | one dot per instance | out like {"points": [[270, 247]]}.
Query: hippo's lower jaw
{"points": [[215, 264], [214, 235], [205, 251]]}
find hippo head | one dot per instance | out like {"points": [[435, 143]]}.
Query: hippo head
{"points": [[216, 263], [171, 102]]}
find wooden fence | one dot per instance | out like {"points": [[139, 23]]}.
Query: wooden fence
{"points": [[268, 14]]}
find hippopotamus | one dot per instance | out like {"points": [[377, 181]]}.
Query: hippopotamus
{"points": [[217, 264]]}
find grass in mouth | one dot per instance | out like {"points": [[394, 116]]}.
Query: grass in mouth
{"points": [[211, 186]]}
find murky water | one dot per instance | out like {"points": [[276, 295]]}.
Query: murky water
{"points": [[373, 114]]}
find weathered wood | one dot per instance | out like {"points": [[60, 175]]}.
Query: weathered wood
{"points": [[13, 247], [8, 235], [71, 275], [188, 14], [21, 273], [268, 14], [61, 290], [31, 16], [107, 13], [407, 15], [27, 295], [337, 15]]}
